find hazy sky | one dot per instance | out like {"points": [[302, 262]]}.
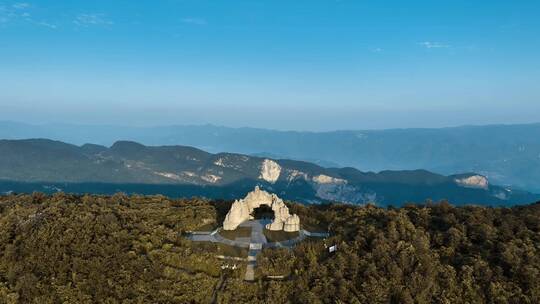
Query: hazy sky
{"points": [[295, 64]]}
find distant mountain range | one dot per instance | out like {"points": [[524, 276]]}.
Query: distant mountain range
{"points": [[49, 166], [508, 155]]}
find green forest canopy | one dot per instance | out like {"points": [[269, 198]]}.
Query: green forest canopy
{"points": [[131, 249]]}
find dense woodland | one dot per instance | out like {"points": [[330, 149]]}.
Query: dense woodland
{"points": [[132, 249]]}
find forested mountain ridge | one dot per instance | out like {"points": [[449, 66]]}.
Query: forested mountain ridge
{"points": [[131, 249], [508, 155], [180, 171]]}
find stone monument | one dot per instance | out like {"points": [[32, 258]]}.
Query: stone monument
{"points": [[242, 210]]}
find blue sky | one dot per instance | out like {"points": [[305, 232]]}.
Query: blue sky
{"points": [[306, 65]]}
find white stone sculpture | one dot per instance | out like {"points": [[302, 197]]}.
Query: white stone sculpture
{"points": [[241, 211]]}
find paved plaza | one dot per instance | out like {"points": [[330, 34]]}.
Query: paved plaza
{"points": [[255, 243]]}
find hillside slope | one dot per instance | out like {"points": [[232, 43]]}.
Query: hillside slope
{"points": [[44, 165], [508, 155]]}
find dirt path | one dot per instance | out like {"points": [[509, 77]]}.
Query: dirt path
{"points": [[218, 288]]}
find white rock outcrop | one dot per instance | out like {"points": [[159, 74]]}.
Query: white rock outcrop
{"points": [[325, 179], [211, 178], [502, 195], [169, 175], [241, 211], [473, 181], [270, 171], [292, 175]]}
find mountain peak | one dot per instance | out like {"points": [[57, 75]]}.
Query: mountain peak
{"points": [[126, 145]]}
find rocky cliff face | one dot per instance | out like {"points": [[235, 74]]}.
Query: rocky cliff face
{"points": [[270, 171], [473, 181]]}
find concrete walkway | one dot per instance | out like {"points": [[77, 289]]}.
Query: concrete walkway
{"points": [[258, 240], [255, 243]]}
